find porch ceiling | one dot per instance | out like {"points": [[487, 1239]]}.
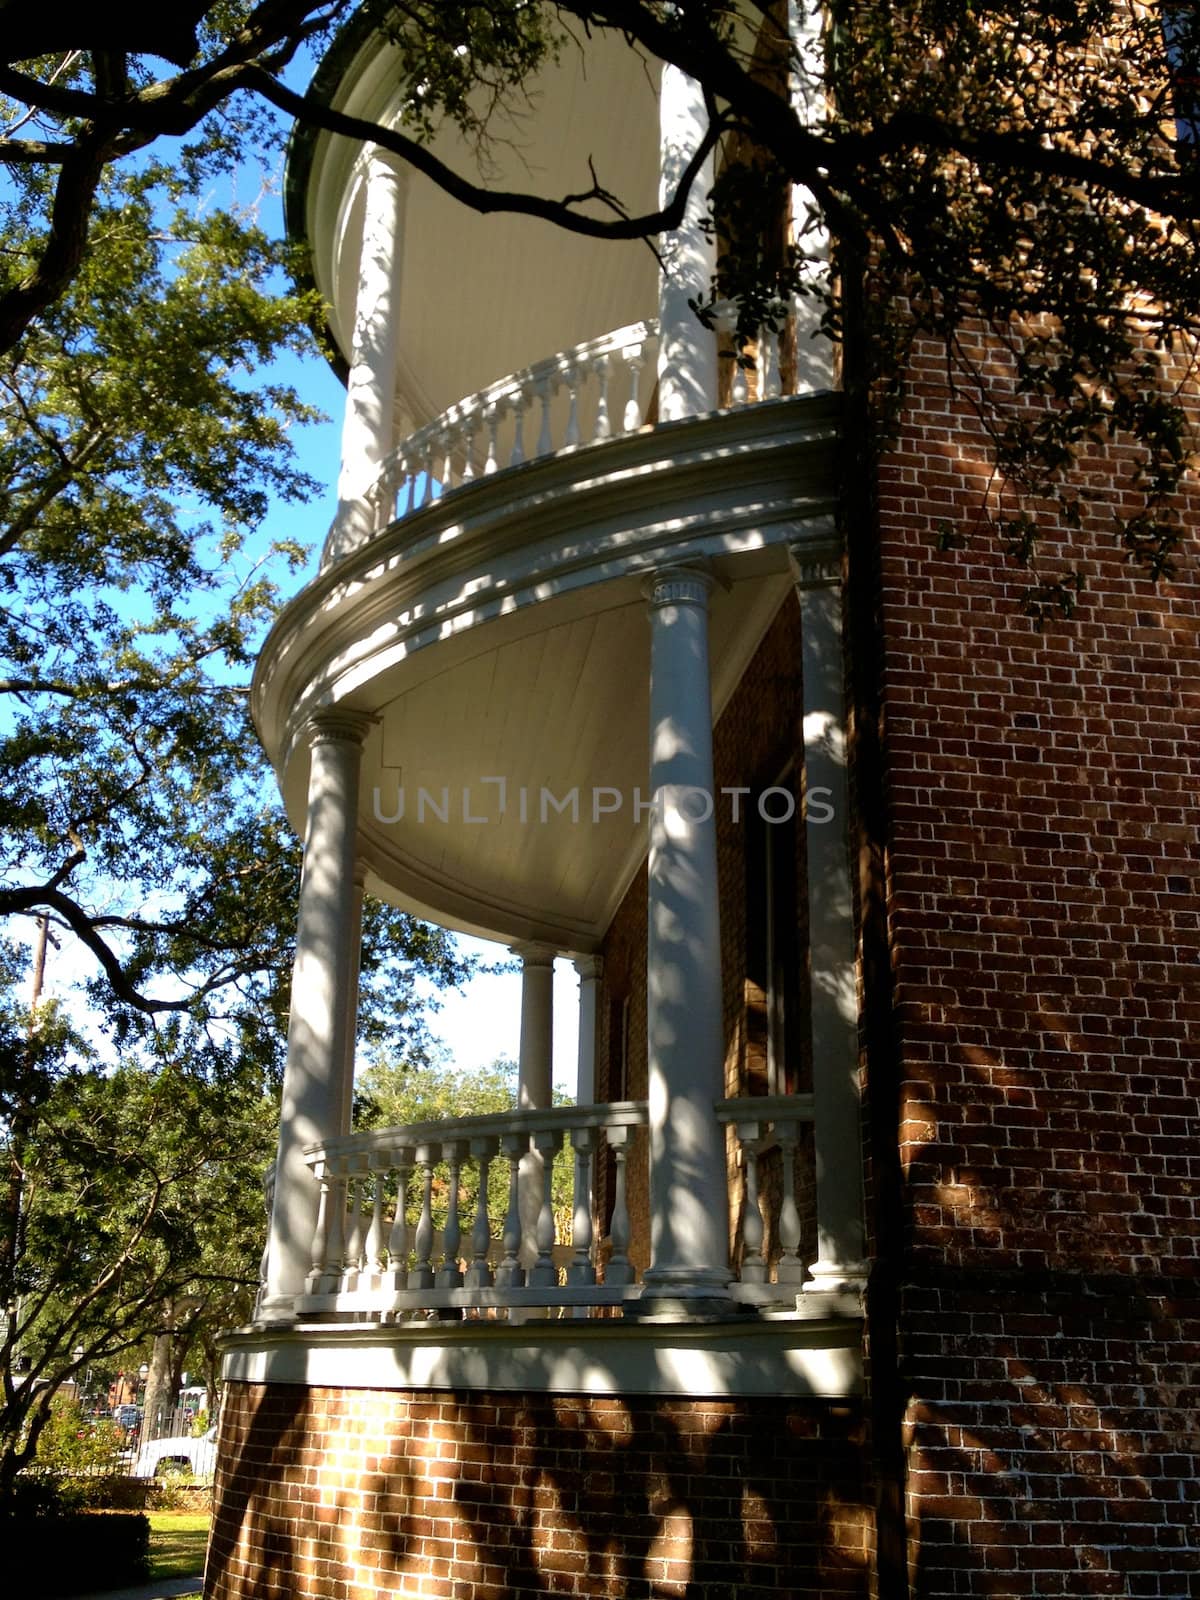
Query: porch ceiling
{"points": [[501, 632], [551, 701], [481, 296]]}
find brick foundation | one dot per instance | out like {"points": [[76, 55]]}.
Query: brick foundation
{"points": [[327, 1494]]}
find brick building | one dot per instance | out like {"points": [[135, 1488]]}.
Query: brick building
{"points": [[813, 1329]]}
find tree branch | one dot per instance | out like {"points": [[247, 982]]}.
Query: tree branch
{"points": [[475, 196]]}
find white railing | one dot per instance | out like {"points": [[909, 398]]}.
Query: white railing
{"points": [[369, 1259], [378, 1253], [592, 392], [762, 1124], [578, 396]]}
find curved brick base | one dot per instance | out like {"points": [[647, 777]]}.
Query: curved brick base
{"points": [[339, 1494]]}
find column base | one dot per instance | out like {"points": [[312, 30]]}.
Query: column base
{"points": [[685, 1294], [276, 1308], [837, 1276]]}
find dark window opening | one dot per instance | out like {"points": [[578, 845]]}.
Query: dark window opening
{"points": [[1181, 33], [773, 1018]]}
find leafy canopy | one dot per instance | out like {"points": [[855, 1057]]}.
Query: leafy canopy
{"points": [[1025, 169]]}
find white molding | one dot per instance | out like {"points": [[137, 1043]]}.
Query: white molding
{"points": [[816, 1356], [733, 482]]}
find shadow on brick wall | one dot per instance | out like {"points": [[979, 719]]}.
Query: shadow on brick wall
{"points": [[490, 1496]]}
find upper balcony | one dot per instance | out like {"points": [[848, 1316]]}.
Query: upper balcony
{"points": [[477, 296], [480, 599]]}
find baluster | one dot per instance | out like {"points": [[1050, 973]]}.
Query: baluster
{"points": [[470, 428], [421, 1274], [449, 1274], [603, 428], [335, 1230], [544, 1274], [544, 389], [397, 1273], [581, 1270], [739, 392], [377, 498], [320, 1232], [510, 1274], [479, 1274], [426, 478], [754, 1266], [789, 1268], [633, 406], [352, 1260], [493, 422], [619, 1269], [571, 378], [770, 385], [519, 404], [374, 1251], [447, 476]]}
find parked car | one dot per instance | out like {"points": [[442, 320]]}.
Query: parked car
{"points": [[128, 1418], [179, 1454]]}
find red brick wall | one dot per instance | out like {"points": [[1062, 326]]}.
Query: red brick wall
{"points": [[328, 1494], [1046, 933]]}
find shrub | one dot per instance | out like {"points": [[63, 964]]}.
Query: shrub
{"points": [[62, 1555]]}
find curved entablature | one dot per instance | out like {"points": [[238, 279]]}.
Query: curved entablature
{"points": [[587, 394], [500, 633]]}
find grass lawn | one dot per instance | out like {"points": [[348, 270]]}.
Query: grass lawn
{"points": [[177, 1543]]}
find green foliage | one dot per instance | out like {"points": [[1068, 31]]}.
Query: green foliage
{"points": [[74, 1442], [1026, 179], [467, 63]]}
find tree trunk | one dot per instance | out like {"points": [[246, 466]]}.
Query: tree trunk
{"points": [[159, 1399]]}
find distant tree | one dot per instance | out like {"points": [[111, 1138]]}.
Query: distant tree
{"points": [[392, 1094], [137, 1191], [140, 445]]}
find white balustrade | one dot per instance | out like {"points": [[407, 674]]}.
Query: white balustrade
{"points": [[580, 396], [379, 1254], [763, 1123], [370, 1259]]}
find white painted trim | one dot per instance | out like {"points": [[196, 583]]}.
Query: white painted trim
{"points": [[805, 1357], [734, 482]]}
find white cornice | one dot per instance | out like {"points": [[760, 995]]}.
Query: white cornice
{"points": [[706, 486], [817, 1355]]}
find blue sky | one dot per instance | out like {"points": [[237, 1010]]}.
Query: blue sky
{"points": [[484, 1022]]}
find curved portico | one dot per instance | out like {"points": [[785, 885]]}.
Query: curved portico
{"points": [[536, 597]]}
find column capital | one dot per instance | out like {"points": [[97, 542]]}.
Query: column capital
{"points": [[337, 726], [588, 967], [532, 954], [678, 586], [816, 564]]}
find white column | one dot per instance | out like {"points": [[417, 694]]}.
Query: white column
{"points": [[534, 1073], [689, 1205], [814, 350], [834, 1003], [687, 351], [589, 969], [314, 1089], [367, 429], [350, 997]]}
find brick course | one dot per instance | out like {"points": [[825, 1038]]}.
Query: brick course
{"points": [[329, 1494]]}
